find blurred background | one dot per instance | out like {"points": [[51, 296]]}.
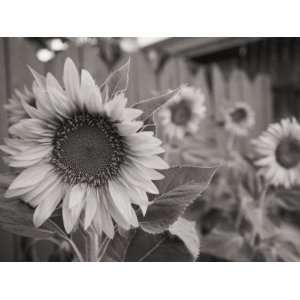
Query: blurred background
{"points": [[263, 72]]}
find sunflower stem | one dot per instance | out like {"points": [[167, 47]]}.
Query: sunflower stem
{"points": [[230, 144], [103, 247], [62, 235], [261, 211], [75, 249], [239, 218], [92, 246]]}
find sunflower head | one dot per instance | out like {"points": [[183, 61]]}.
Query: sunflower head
{"points": [[288, 152], [278, 149], [14, 107], [84, 152], [182, 114], [239, 119]]}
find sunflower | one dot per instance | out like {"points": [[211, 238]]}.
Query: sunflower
{"points": [[84, 153], [279, 153], [182, 113], [14, 107], [239, 119]]}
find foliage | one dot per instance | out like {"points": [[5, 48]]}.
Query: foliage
{"points": [[240, 217]]}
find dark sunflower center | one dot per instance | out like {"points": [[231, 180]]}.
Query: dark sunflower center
{"points": [[181, 113], [288, 153], [88, 149], [239, 115]]}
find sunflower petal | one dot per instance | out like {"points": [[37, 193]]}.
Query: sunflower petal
{"points": [[91, 201], [77, 195], [31, 176], [51, 199], [71, 79]]}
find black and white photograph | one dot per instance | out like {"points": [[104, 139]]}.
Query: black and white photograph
{"points": [[149, 150]]}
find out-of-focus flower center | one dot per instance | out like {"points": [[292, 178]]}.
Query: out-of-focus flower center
{"points": [[88, 149], [32, 101], [288, 153], [238, 115], [181, 113]]}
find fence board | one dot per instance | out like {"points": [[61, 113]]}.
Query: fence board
{"points": [[248, 94], [22, 54], [147, 83], [235, 87], [200, 80], [169, 76], [6, 239], [3, 99], [133, 92], [208, 127], [183, 71], [220, 96], [219, 91]]}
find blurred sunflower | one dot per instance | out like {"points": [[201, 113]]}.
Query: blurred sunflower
{"points": [[279, 151], [14, 107], [239, 119], [182, 114], [83, 151]]}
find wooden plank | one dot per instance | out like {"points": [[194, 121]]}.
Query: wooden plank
{"points": [[200, 81], [3, 98], [6, 239], [219, 97], [219, 91], [235, 90], [146, 83], [208, 128], [262, 96], [183, 71], [266, 83], [22, 54], [247, 89], [133, 86], [169, 78]]}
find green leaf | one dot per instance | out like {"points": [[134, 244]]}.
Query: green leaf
{"points": [[5, 180], [180, 187], [197, 209], [160, 247], [288, 199], [26, 231], [118, 246], [188, 232], [180, 175], [117, 81], [16, 217], [149, 106], [226, 244], [287, 251]]}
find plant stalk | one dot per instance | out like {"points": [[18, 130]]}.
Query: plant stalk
{"points": [[92, 246], [261, 207]]}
